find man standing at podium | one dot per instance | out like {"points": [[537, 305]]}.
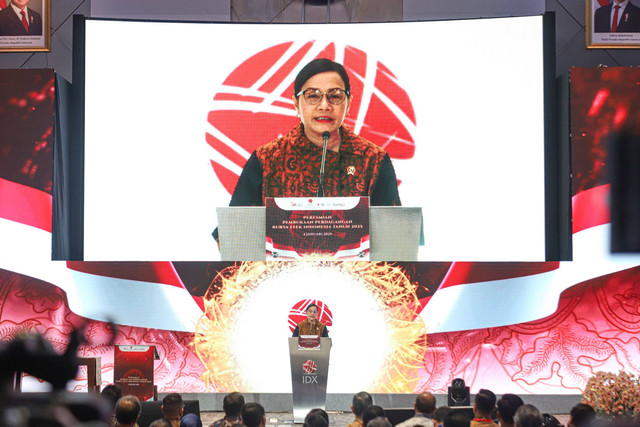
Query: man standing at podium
{"points": [[311, 325]]}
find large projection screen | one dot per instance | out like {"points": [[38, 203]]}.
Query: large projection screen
{"points": [[173, 110]]}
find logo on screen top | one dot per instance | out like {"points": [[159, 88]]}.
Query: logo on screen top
{"points": [[254, 104], [309, 367]]}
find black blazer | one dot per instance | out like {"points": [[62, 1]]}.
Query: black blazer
{"points": [[629, 21], [11, 25]]}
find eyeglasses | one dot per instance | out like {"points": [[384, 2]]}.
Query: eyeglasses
{"points": [[335, 96]]}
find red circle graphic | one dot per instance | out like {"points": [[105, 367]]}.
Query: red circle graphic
{"points": [[309, 367]]}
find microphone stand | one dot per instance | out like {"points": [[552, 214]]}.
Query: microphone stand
{"points": [[325, 137]]}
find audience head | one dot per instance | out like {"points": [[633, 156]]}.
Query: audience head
{"points": [[191, 420], [371, 412], [527, 416], [361, 401], [378, 422], [172, 406], [161, 422], [581, 415], [485, 403], [253, 415], [425, 403], [127, 410], [439, 414], [232, 404], [112, 393], [508, 404], [316, 418], [456, 419]]}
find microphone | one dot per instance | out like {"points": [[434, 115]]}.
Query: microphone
{"points": [[325, 137]]}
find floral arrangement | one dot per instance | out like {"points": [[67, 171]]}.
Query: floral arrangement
{"points": [[613, 395]]}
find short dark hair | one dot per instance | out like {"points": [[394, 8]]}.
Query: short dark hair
{"points": [[232, 404], [127, 409], [112, 393], [456, 419], [311, 305], [361, 401], [440, 413], [508, 404], [252, 414], [485, 401], [582, 414], [316, 418], [528, 416], [425, 403], [172, 404], [371, 412], [321, 412], [378, 422], [317, 66]]}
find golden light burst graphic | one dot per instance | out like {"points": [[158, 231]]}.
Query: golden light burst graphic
{"points": [[375, 321]]}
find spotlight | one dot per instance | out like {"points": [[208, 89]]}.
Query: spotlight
{"points": [[458, 393]]}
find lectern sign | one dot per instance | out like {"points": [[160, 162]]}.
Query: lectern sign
{"points": [[133, 370], [308, 342], [334, 228]]}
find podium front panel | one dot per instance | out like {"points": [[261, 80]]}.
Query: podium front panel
{"points": [[309, 374]]}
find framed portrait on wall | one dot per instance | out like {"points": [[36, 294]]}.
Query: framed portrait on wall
{"points": [[613, 24], [24, 25]]}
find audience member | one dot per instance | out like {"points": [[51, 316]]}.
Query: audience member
{"points": [[379, 422], [232, 406], [320, 412], [190, 420], [161, 422], [483, 407], [127, 411], [439, 414], [527, 416], [253, 415], [371, 412], [316, 418], [424, 407], [173, 408], [507, 405], [549, 420], [112, 393], [582, 415], [359, 403], [456, 419]]}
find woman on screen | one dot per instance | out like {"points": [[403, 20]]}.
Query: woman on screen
{"points": [[311, 325], [289, 166]]}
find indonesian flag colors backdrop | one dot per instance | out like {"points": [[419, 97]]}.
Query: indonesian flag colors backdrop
{"points": [[511, 327]]}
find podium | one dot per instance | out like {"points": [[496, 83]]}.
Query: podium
{"points": [[394, 231], [309, 373]]}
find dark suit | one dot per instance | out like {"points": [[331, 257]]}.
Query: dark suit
{"points": [[629, 19], [11, 25]]}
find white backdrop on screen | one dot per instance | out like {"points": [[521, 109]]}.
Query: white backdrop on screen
{"points": [[476, 87]]}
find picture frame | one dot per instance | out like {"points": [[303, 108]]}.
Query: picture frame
{"points": [[599, 22], [32, 35]]}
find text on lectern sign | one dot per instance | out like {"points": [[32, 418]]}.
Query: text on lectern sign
{"points": [[334, 228]]}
